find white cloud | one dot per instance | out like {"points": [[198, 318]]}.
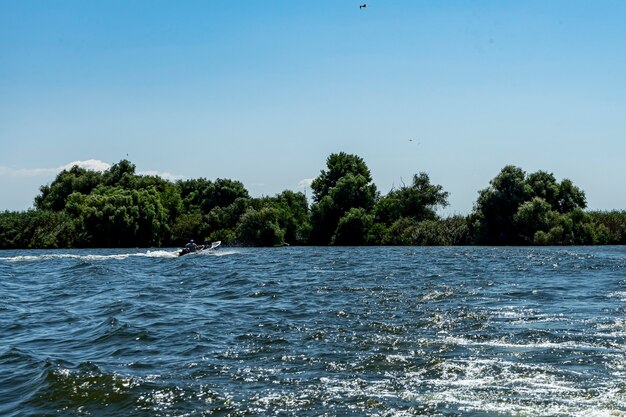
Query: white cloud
{"points": [[165, 175], [90, 164], [305, 183]]}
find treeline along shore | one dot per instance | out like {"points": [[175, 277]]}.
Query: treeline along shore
{"points": [[119, 208]]}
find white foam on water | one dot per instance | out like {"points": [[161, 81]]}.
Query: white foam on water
{"points": [[221, 252], [521, 315], [618, 294], [616, 328], [118, 256], [91, 257], [536, 345], [532, 389], [159, 254], [282, 401], [488, 385], [438, 295], [397, 358], [38, 257]]}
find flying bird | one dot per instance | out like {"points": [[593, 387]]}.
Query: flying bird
{"points": [[362, 6]]}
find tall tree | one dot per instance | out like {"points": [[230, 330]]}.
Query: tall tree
{"points": [[339, 165], [570, 197], [497, 204], [347, 184]]}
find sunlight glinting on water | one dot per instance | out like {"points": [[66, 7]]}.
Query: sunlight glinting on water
{"points": [[314, 331]]}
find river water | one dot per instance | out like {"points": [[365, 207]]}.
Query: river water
{"points": [[384, 331]]}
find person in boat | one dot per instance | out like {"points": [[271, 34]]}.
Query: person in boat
{"points": [[191, 246]]}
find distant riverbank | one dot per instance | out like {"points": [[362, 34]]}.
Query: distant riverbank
{"points": [[119, 208]]}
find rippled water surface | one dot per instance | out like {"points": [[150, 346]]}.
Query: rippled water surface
{"points": [[314, 331]]}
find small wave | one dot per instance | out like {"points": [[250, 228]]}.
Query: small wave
{"points": [[438, 295], [86, 387], [90, 389], [22, 258], [209, 252], [481, 386], [91, 257], [159, 254], [618, 294], [616, 328], [530, 345], [221, 252]]}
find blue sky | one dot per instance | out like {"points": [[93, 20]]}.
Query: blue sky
{"points": [[263, 92]]}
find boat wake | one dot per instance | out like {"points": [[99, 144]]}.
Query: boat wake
{"points": [[221, 252], [160, 253], [91, 257]]}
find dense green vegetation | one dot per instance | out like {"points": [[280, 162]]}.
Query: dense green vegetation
{"points": [[119, 208], [534, 209]]}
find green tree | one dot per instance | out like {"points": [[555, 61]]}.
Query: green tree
{"points": [[204, 195], [350, 192], [121, 174], [75, 180], [614, 223], [37, 229], [353, 191], [543, 185], [117, 217], [399, 233], [353, 228], [563, 197], [220, 223], [570, 197], [225, 192], [339, 165], [293, 214], [347, 184], [418, 201], [260, 228], [324, 219], [194, 193], [169, 193], [498, 204], [534, 216], [577, 228], [186, 226], [517, 209]]}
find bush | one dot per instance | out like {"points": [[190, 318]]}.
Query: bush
{"points": [[353, 228], [260, 228], [614, 223]]}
